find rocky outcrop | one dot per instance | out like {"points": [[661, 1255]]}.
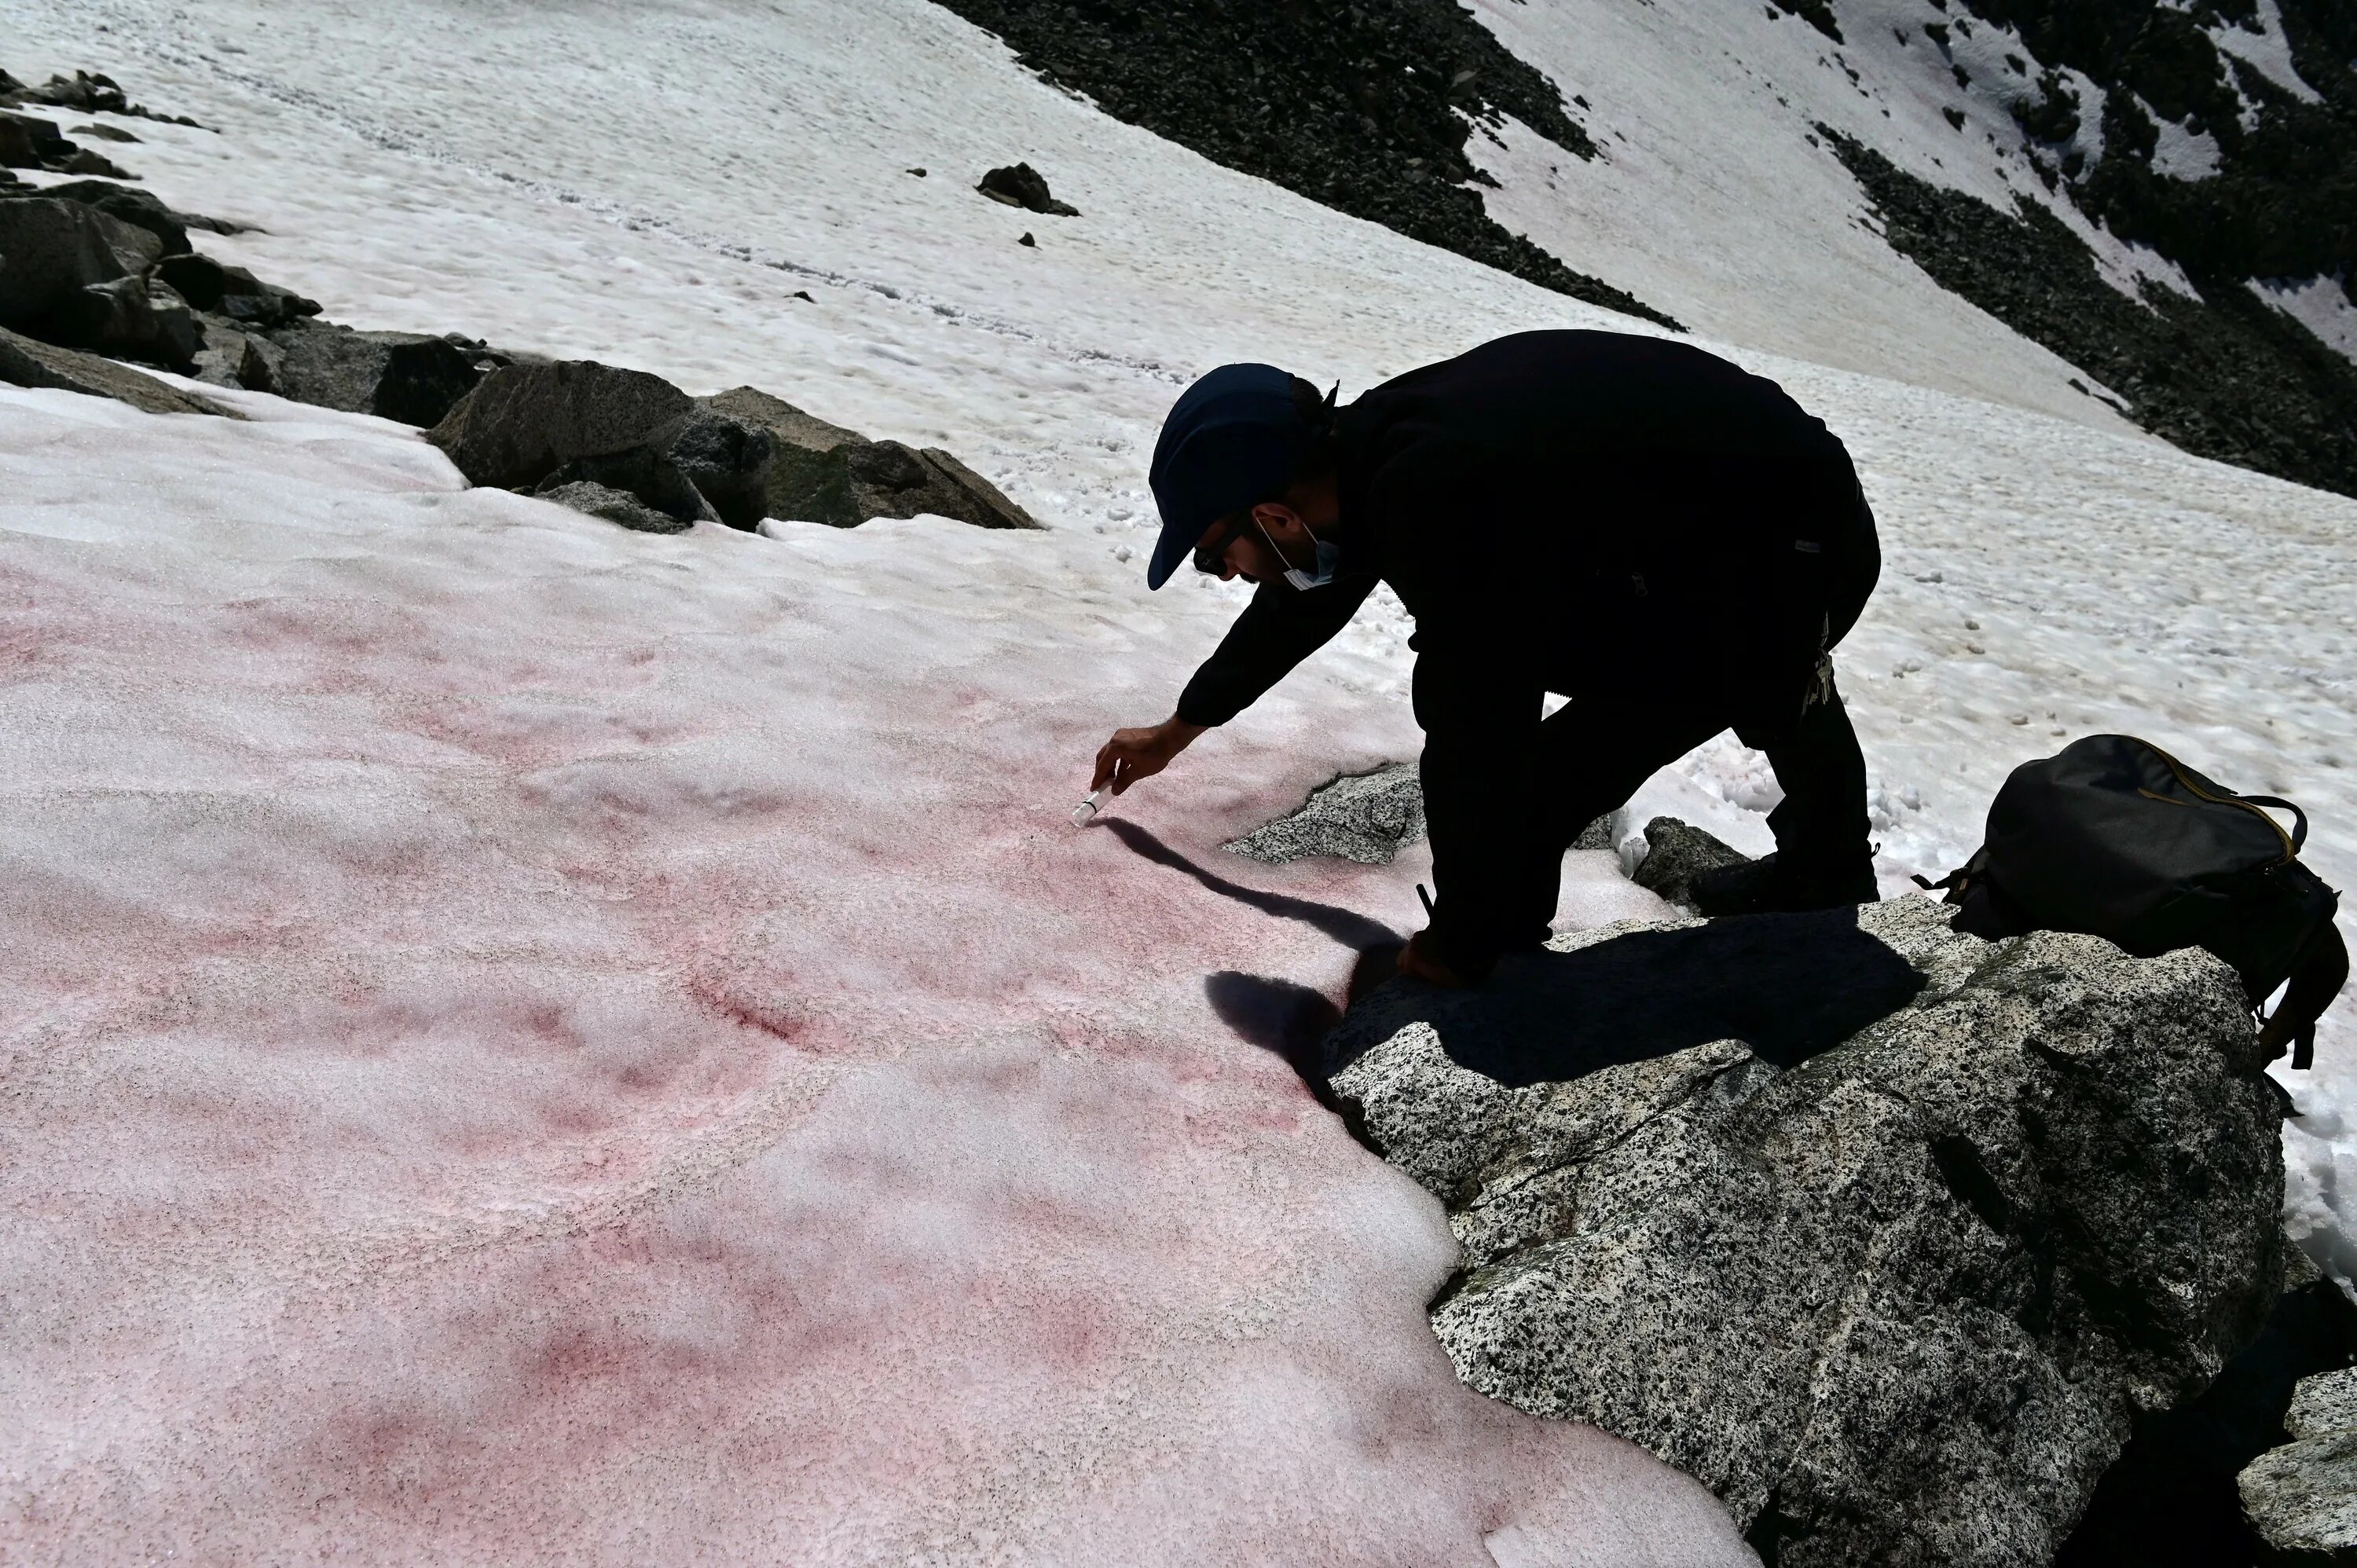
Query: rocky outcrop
{"points": [[81, 279], [404, 376], [87, 93], [2301, 1498], [128, 204], [546, 427], [1887, 1234], [524, 422], [823, 473], [2172, 1496], [29, 362]]}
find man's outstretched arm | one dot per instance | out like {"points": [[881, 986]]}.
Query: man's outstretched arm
{"points": [[1281, 626]]}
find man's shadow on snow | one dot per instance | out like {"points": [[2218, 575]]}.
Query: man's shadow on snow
{"points": [[1279, 1016], [1789, 987]]}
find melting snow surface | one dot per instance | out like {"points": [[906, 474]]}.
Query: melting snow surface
{"points": [[522, 1034]]}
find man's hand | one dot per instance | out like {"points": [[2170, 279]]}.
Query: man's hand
{"points": [[1415, 960], [1134, 754]]}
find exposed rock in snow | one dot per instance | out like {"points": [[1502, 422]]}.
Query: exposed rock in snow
{"points": [[128, 204], [1675, 853], [826, 474], [1365, 817], [1886, 1234], [524, 421], [28, 141], [236, 293], [27, 363], [613, 505], [90, 94], [406, 376], [2301, 1498], [728, 461], [79, 278], [88, 160], [56, 249], [1020, 185]]}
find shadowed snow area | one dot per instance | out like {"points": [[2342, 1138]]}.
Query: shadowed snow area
{"points": [[524, 1037]]}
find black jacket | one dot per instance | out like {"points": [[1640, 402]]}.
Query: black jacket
{"points": [[1557, 510]]}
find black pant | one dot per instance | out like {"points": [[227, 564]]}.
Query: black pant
{"points": [[1599, 750]]}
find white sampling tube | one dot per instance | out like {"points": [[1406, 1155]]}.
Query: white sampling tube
{"points": [[1087, 809]]}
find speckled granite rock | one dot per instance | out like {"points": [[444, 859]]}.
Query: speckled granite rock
{"points": [[1365, 817], [2301, 1498], [1675, 853], [1884, 1233]]}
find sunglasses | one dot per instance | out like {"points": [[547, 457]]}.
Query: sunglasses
{"points": [[1214, 546]]}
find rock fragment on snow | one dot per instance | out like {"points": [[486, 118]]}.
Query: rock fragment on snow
{"points": [[91, 161], [1020, 185], [28, 362], [1366, 817], [1886, 1234], [613, 505], [1675, 853]]}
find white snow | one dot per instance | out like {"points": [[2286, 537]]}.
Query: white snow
{"points": [[2183, 154], [526, 1039], [2266, 50], [2319, 304]]}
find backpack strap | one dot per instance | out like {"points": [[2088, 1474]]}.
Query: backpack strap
{"points": [[2298, 817], [2312, 987]]}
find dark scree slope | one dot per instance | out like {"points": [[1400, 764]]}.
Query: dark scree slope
{"points": [[1355, 106]]}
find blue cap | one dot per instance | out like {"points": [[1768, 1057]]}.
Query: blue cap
{"points": [[1234, 438]]}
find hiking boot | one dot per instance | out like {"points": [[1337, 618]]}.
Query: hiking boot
{"points": [[1762, 886]]}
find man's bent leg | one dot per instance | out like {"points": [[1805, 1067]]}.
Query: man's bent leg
{"points": [[1594, 753], [1822, 858], [1821, 828]]}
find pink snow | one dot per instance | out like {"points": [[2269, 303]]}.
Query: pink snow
{"points": [[529, 1041]]}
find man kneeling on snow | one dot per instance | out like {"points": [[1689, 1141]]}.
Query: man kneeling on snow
{"points": [[1666, 540]]}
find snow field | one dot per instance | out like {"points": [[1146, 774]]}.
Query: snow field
{"points": [[528, 1041], [532, 1033]]}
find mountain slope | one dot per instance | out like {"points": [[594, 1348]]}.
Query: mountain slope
{"points": [[524, 1035]]}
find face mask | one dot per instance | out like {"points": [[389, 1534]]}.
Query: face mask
{"points": [[1328, 561]]}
